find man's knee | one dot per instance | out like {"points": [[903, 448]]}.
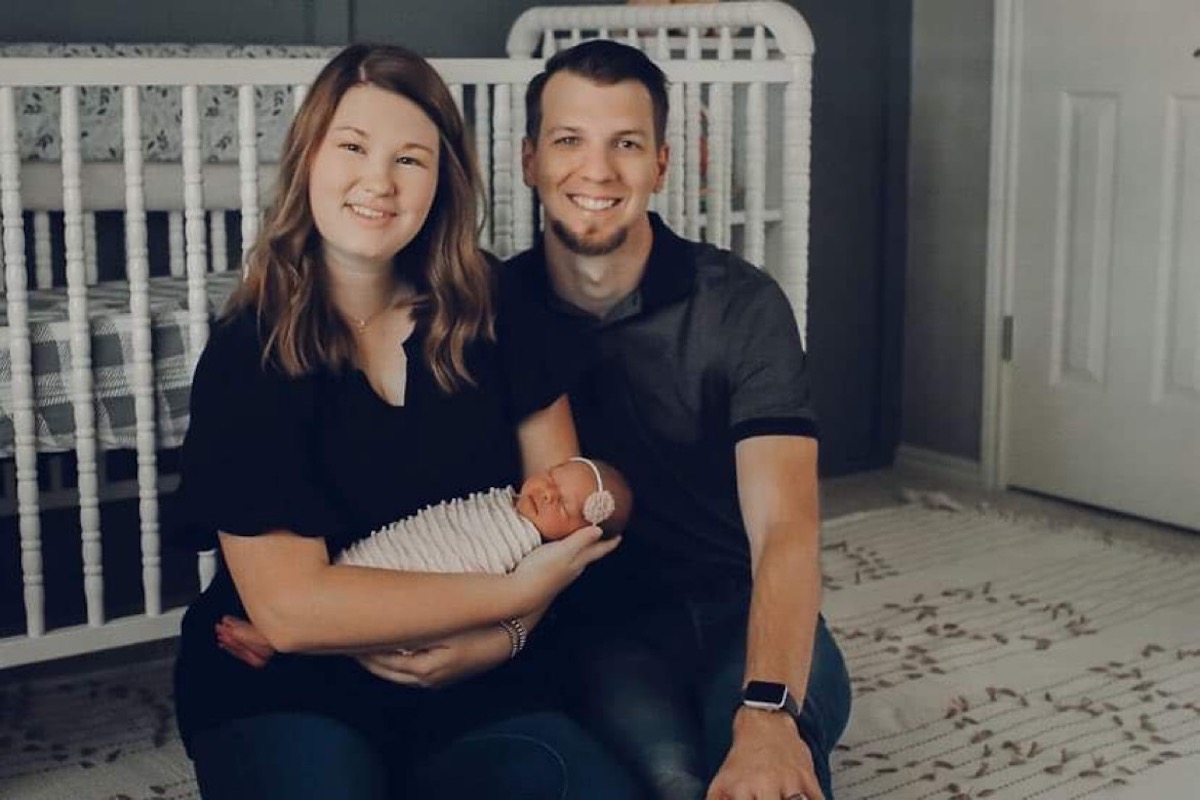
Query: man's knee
{"points": [[826, 708]]}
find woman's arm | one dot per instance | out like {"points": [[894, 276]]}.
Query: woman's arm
{"points": [[302, 603]]}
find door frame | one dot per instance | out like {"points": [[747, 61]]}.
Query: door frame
{"points": [[1007, 51]]}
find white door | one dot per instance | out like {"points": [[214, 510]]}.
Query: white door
{"points": [[1104, 385]]}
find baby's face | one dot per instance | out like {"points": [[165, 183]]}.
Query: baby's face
{"points": [[553, 501]]}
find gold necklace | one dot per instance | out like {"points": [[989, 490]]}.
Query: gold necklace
{"points": [[360, 324]]}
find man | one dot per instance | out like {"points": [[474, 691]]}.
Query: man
{"points": [[698, 393]]}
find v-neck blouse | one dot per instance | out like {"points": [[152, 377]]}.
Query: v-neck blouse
{"points": [[324, 455]]}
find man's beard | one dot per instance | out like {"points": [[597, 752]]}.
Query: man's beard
{"points": [[581, 247]]}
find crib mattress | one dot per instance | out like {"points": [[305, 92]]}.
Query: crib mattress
{"points": [[111, 327]]}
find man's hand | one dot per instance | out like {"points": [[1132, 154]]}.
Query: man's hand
{"points": [[448, 661], [768, 761], [243, 641]]}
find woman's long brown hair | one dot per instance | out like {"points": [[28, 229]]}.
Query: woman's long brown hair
{"points": [[284, 283]]}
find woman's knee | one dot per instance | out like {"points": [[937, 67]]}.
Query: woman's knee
{"points": [[542, 756], [294, 756]]}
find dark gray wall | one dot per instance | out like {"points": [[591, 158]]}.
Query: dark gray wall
{"points": [[948, 205], [453, 28], [860, 110], [242, 21], [459, 28]]}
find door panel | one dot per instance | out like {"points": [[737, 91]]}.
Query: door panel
{"points": [[1105, 378]]}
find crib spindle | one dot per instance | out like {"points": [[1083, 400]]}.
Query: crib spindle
{"points": [[675, 182], [193, 213], [755, 172], [43, 275], [693, 111], [523, 229], [193, 200], [720, 149], [660, 200], [137, 267], [248, 168], [299, 92], [220, 240], [90, 248], [549, 44], [20, 354], [502, 159], [82, 390], [175, 246], [797, 136], [483, 151]]}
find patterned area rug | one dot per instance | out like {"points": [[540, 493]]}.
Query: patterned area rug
{"points": [[991, 658], [1001, 658], [106, 736]]}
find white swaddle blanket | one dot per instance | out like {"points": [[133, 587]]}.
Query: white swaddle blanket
{"points": [[480, 533]]}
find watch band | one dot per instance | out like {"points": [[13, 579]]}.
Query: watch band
{"points": [[770, 696]]}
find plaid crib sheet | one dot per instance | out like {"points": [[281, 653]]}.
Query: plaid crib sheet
{"points": [[112, 362]]}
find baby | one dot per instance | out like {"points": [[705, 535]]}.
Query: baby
{"points": [[492, 531]]}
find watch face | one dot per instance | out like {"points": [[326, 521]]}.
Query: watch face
{"points": [[765, 693]]}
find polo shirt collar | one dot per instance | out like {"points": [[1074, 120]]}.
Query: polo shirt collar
{"points": [[670, 276]]}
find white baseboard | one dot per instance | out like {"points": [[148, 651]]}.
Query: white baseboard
{"points": [[932, 464]]}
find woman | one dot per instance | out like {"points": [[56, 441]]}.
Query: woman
{"points": [[358, 374]]}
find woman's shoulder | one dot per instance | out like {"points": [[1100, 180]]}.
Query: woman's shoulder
{"points": [[233, 357], [236, 330]]}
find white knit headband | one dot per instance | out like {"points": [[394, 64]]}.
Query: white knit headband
{"points": [[600, 504]]}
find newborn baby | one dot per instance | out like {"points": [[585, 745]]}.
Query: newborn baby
{"points": [[492, 531]]}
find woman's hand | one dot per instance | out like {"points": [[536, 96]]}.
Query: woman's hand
{"points": [[551, 567], [448, 661]]}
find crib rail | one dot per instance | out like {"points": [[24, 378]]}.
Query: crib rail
{"points": [[729, 82]]}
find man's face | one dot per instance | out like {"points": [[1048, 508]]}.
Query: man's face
{"points": [[595, 163]]}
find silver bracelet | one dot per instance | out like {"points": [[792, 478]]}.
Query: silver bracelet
{"points": [[517, 635]]}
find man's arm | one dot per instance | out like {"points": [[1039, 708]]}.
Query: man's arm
{"points": [[777, 491]]}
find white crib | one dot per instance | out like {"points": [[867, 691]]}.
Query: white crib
{"points": [[95, 358]]}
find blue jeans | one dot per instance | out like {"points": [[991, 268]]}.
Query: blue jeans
{"points": [[661, 691], [305, 756]]}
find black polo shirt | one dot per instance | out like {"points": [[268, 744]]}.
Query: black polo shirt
{"points": [[704, 353]]}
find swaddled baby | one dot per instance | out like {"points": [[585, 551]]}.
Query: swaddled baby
{"points": [[492, 531]]}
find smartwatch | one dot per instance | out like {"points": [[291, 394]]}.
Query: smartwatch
{"points": [[768, 696]]}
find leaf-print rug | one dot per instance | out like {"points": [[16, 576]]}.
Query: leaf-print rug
{"points": [[998, 657], [991, 657]]}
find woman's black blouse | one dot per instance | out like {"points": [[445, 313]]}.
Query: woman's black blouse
{"points": [[325, 456]]}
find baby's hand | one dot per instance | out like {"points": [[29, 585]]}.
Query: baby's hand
{"points": [[243, 641]]}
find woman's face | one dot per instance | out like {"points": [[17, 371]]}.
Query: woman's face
{"points": [[373, 178]]}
